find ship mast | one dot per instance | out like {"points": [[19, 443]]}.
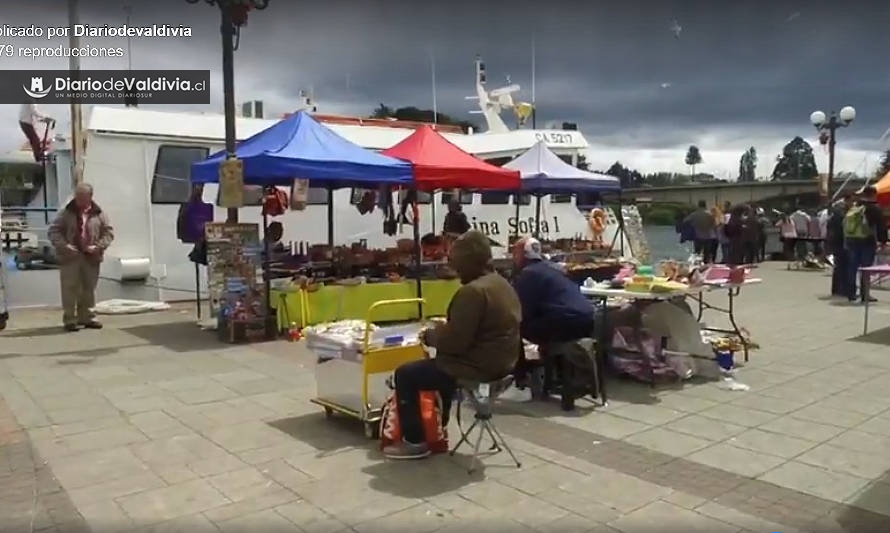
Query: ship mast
{"points": [[534, 103], [77, 144]]}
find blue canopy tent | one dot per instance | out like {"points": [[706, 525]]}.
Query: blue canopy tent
{"points": [[300, 147], [543, 172]]}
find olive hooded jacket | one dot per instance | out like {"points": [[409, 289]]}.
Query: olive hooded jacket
{"points": [[480, 340]]}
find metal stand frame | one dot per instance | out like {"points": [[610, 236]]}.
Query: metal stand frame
{"points": [[482, 423], [729, 311]]}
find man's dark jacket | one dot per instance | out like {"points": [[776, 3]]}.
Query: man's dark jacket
{"points": [[551, 303]]}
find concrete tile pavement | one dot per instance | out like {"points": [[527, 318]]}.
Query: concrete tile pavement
{"points": [[151, 425]]}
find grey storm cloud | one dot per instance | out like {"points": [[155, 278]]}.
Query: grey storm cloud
{"points": [[609, 66]]}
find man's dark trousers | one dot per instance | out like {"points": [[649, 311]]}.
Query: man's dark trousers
{"points": [[413, 378], [860, 253]]}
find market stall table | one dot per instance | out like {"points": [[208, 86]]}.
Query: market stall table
{"points": [[635, 298], [330, 303], [867, 274], [732, 290]]}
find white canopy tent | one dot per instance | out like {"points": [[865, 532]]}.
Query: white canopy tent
{"points": [[543, 172]]}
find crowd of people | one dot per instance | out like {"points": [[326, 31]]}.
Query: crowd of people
{"points": [[850, 232], [737, 232]]}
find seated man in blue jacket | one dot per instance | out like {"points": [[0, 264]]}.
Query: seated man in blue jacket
{"points": [[553, 308]]}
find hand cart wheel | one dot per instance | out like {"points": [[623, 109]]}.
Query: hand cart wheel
{"points": [[372, 430], [328, 412]]}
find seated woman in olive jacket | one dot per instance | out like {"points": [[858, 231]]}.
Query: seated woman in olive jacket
{"points": [[479, 342]]}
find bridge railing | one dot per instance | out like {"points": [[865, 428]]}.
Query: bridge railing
{"points": [[19, 230]]}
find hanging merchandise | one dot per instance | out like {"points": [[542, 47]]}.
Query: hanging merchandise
{"points": [[199, 253], [274, 202], [299, 195], [231, 184], [409, 199], [367, 202], [390, 224], [191, 219]]}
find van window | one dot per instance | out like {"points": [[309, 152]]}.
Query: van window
{"points": [[317, 196], [171, 182], [522, 199], [466, 198], [495, 198], [423, 198], [560, 198]]}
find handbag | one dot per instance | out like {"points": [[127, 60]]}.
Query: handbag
{"points": [[435, 436]]}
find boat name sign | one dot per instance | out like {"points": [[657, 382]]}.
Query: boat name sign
{"points": [[555, 138], [493, 228]]}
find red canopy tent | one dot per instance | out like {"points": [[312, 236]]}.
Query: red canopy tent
{"points": [[439, 164]]}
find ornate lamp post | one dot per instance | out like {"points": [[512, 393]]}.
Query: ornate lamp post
{"points": [[233, 15], [827, 127]]}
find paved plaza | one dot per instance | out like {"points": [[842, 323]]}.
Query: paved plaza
{"points": [[153, 425]]}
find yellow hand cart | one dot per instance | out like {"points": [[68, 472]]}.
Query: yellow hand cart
{"points": [[356, 386]]}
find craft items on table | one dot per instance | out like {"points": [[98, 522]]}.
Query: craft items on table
{"points": [[654, 333]]}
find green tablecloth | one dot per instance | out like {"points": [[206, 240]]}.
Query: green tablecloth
{"points": [[335, 302]]}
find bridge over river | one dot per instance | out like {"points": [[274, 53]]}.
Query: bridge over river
{"points": [[771, 192]]}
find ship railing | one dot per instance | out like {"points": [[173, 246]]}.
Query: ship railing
{"points": [[16, 232]]}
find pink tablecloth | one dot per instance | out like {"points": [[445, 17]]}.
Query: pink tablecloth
{"points": [[877, 269]]}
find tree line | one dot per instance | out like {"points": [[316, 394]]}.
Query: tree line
{"points": [[795, 162]]}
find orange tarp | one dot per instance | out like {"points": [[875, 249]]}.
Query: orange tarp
{"points": [[883, 188]]}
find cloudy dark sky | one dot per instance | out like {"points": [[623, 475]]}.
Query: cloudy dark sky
{"points": [[741, 73]]}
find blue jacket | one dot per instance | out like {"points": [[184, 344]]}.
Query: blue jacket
{"points": [[546, 294]]}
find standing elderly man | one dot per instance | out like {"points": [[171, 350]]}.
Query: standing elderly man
{"points": [[80, 235]]}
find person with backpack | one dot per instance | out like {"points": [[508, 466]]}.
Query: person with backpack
{"points": [[864, 230]]}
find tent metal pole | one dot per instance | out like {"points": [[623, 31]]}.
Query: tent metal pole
{"points": [[331, 219], [267, 281], [516, 198], [198, 290], [537, 216], [418, 254]]}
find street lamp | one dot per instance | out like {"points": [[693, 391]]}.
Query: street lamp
{"points": [[827, 127], [233, 15]]}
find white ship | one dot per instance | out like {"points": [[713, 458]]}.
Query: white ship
{"points": [[138, 162]]}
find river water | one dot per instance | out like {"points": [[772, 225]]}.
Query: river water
{"points": [[664, 243]]}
